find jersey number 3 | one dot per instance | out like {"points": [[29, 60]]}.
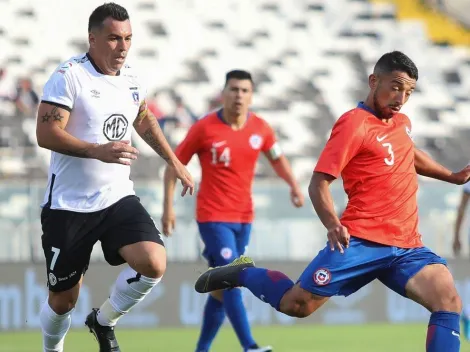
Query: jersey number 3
{"points": [[391, 159], [223, 158]]}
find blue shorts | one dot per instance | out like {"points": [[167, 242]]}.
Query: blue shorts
{"points": [[334, 274], [224, 241]]}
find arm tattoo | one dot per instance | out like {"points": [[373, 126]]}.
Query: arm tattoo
{"points": [[152, 142], [54, 115]]}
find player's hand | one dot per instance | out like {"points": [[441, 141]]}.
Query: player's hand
{"points": [[461, 177], [456, 246], [114, 152], [168, 221], [184, 176], [296, 197], [338, 237]]}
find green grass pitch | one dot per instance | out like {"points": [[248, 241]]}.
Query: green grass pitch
{"points": [[314, 338]]}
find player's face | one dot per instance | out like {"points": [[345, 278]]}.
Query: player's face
{"points": [[237, 96], [111, 44], [391, 91]]}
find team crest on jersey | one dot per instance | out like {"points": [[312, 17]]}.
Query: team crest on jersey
{"points": [[322, 277], [52, 279], [135, 96], [255, 141], [226, 253]]}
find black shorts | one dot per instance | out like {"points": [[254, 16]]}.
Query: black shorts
{"points": [[68, 238]]}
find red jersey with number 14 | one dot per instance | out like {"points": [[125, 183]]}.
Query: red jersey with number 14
{"points": [[376, 162], [228, 159]]}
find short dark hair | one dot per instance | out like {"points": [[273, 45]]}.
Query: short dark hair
{"points": [[396, 61], [110, 9], [238, 74]]}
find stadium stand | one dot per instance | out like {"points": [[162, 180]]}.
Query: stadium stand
{"points": [[310, 63]]}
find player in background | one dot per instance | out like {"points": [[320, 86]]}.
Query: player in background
{"points": [[88, 108], [228, 143], [457, 246], [377, 236]]}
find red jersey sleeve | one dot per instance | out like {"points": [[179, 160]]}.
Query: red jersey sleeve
{"points": [[269, 138], [344, 143], [190, 144]]}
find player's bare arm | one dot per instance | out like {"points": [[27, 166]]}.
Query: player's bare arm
{"points": [[168, 216], [51, 134], [426, 166], [146, 125], [322, 201], [459, 220], [281, 166]]}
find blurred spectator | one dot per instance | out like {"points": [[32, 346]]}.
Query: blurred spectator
{"points": [[215, 102], [152, 105], [26, 99], [182, 113], [5, 88]]}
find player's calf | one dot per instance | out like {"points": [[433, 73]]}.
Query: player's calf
{"points": [[55, 318], [300, 303], [147, 264], [433, 287]]}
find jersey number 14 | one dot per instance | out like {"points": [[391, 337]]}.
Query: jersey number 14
{"points": [[223, 158]]}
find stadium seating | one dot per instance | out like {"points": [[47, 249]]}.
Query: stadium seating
{"points": [[310, 62]]}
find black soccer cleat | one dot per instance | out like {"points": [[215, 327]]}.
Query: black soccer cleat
{"points": [[223, 277], [104, 334]]}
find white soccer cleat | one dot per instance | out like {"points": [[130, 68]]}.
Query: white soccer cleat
{"points": [[260, 349]]}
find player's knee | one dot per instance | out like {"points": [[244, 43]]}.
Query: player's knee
{"points": [[148, 259], [296, 303], [154, 267], [296, 308], [449, 301]]}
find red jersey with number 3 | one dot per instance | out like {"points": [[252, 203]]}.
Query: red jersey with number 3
{"points": [[376, 162], [228, 159]]}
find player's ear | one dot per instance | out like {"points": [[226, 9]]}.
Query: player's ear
{"points": [[91, 39], [373, 81]]}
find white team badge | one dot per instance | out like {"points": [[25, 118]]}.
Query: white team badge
{"points": [[226, 253], [52, 279], [322, 277], [255, 141]]}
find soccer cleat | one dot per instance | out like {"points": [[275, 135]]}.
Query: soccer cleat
{"points": [[260, 349], [104, 334], [223, 277]]}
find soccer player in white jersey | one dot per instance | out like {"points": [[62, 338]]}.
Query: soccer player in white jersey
{"points": [[87, 111], [457, 246]]}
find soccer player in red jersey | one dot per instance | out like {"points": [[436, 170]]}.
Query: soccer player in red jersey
{"points": [[377, 236], [228, 143]]}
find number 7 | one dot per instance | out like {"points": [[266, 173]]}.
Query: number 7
{"points": [[56, 252]]}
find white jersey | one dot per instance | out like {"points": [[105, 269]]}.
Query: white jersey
{"points": [[102, 109]]}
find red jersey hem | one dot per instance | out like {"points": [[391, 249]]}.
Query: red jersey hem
{"points": [[389, 243], [236, 220]]}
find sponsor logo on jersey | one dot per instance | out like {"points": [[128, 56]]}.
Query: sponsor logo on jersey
{"points": [[115, 127]]}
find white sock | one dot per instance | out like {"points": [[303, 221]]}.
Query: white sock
{"points": [[125, 295], [54, 328]]}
